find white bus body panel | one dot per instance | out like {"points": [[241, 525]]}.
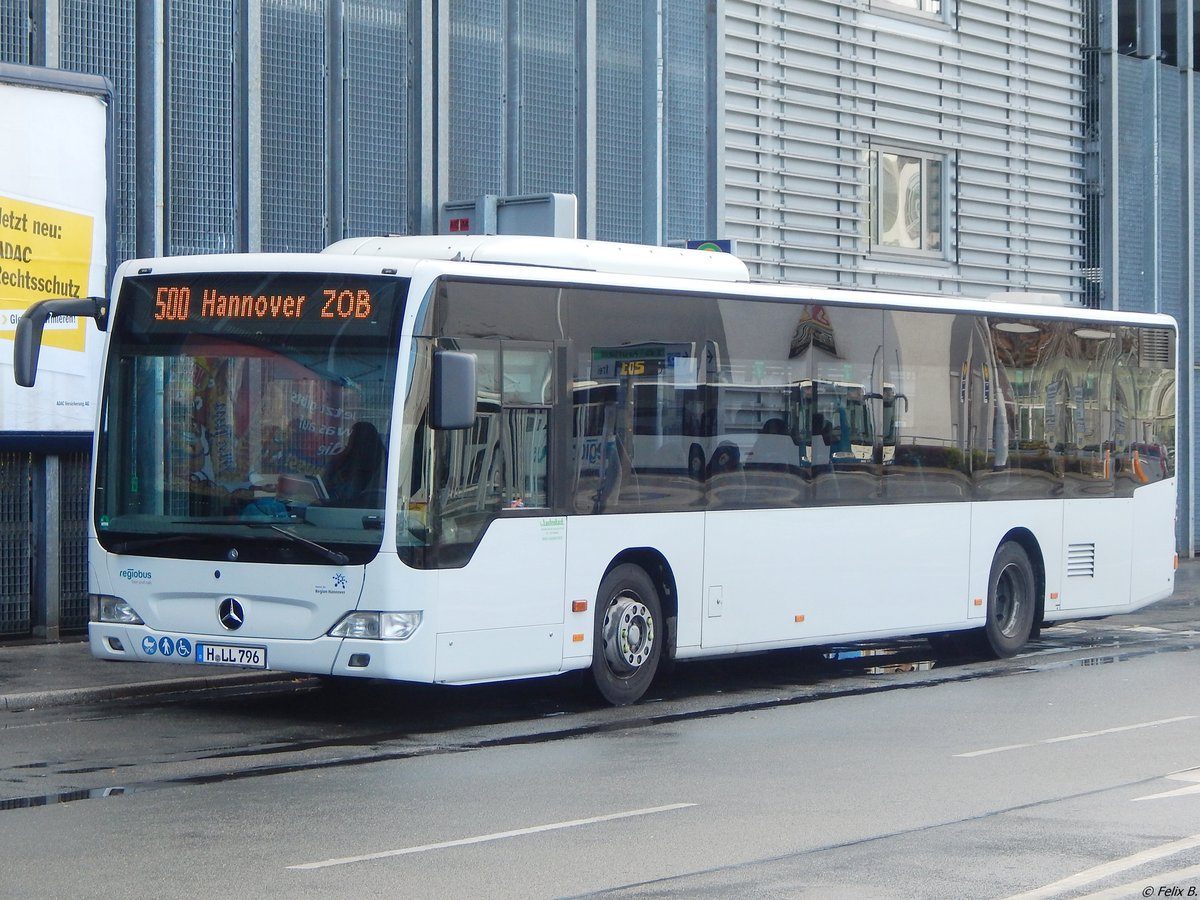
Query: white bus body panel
{"points": [[293, 602], [594, 541], [287, 610], [1096, 554], [501, 615], [991, 521], [779, 577], [1152, 542]]}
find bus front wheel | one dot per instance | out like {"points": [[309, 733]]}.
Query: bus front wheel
{"points": [[1011, 603], [628, 637]]}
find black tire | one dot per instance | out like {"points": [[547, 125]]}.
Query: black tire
{"points": [[629, 635], [696, 463], [1011, 602]]}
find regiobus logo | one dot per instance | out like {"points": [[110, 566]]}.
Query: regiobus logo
{"points": [[136, 575]]}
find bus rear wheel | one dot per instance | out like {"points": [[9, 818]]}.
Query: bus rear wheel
{"points": [[628, 635], [1011, 603]]}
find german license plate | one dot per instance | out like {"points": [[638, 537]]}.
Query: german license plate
{"points": [[231, 655]]}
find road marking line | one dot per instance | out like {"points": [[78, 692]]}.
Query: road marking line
{"points": [[1189, 775], [1074, 737], [497, 836], [1112, 868], [974, 753], [1137, 888], [1091, 734]]}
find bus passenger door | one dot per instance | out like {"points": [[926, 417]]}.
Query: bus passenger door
{"points": [[500, 614]]}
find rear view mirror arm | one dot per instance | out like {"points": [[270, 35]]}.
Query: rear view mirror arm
{"points": [[27, 342]]}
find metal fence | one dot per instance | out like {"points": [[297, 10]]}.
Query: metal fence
{"points": [[43, 544]]}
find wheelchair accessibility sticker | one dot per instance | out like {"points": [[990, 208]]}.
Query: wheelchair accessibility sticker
{"points": [[166, 646]]}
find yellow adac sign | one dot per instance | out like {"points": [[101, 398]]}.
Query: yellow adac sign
{"points": [[44, 252]]}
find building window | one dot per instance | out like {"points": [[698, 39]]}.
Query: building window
{"points": [[907, 209], [920, 7]]}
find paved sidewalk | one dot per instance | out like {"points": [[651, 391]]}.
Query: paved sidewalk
{"points": [[39, 675]]}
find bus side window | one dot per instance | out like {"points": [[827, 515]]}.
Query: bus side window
{"points": [[502, 462], [526, 397], [528, 432]]}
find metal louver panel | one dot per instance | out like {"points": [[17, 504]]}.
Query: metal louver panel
{"points": [[1081, 560]]}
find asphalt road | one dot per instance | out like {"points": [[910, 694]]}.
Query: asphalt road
{"points": [[1073, 770]]}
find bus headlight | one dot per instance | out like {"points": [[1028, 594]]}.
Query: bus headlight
{"points": [[106, 608], [377, 626]]}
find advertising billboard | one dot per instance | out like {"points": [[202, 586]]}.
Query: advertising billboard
{"points": [[55, 242]]}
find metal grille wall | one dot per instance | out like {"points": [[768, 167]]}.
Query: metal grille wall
{"points": [[686, 58], [293, 125], [16, 543], [200, 196], [74, 476], [18, 472], [620, 121], [475, 101], [546, 110], [14, 31], [1170, 203], [1188, 447], [1135, 182], [248, 159], [97, 38], [998, 90], [377, 111], [1097, 269]]}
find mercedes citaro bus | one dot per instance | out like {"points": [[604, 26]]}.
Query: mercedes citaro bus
{"points": [[467, 459]]}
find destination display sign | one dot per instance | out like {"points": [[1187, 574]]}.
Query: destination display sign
{"points": [[233, 303]]}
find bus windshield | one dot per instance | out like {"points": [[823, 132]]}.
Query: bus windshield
{"points": [[246, 416]]}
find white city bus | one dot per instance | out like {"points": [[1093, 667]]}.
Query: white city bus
{"points": [[415, 459]]}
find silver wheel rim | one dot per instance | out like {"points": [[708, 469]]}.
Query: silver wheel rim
{"points": [[1010, 599], [628, 634]]}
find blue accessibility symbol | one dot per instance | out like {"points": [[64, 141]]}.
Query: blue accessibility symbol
{"points": [[149, 645], [166, 646], [183, 647]]}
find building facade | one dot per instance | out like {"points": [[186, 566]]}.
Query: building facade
{"points": [[960, 147]]}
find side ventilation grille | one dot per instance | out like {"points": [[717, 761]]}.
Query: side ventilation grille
{"points": [[1081, 560]]}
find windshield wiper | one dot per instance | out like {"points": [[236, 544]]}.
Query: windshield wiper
{"points": [[334, 556]]}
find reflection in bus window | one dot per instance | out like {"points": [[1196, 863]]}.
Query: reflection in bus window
{"points": [[714, 405], [499, 464], [1088, 403]]}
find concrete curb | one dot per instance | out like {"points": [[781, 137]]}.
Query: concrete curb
{"points": [[31, 700]]}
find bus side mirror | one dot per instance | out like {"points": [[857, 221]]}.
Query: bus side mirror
{"points": [[452, 404], [27, 342]]}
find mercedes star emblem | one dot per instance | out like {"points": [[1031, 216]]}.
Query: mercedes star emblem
{"points": [[230, 614]]}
